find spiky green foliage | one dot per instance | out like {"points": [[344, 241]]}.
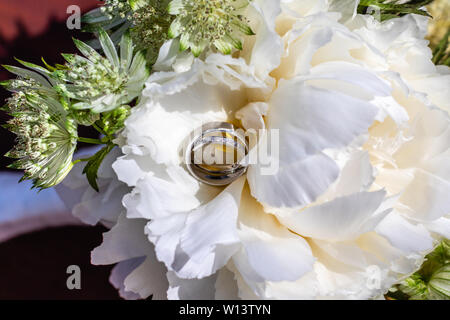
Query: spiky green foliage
{"points": [[202, 23], [431, 282], [99, 83], [392, 9], [147, 21], [441, 54], [113, 16], [46, 133]]}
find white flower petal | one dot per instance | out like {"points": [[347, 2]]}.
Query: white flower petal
{"points": [[126, 240], [294, 184], [342, 219], [158, 198], [266, 39], [312, 119], [309, 120], [148, 279], [191, 289], [226, 285], [403, 235], [441, 226], [272, 251], [356, 176], [165, 234], [210, 237], [119, 274], [426, 197], [88, 205], [251, 115]]}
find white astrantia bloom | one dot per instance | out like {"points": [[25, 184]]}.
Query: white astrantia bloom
{"points": [[361, 194]]}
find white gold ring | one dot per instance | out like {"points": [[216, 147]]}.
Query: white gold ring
{"points": [[215, 154]]}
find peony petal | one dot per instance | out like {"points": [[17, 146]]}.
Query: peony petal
{"points": [[251, 115], [272, 251], [263, 14], [294, 64], [440, 226], [131, 168], [210, 237], [119, 274], [426, 197], [165, 234], [342, 219], [294, 184], [357, 174], [85, 203], [148, 279], [361, 78], [309, 120], [126, 240], [191, 289], [158, 198], [403, 235], [226, 285], [399, 261]]}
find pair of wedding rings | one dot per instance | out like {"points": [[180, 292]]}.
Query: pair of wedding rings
{"points": [[215, 155]]}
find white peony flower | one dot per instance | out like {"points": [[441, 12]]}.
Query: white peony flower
{"points": [[361, 193], [88, 205]]}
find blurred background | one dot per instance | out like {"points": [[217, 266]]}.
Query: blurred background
{"points": [[33, 266]]}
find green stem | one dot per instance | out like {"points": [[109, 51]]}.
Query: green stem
{"points": [[96, 127], [89, 140], [80, 160]]}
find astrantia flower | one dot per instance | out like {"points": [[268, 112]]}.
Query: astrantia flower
{"points": [[200, 23], [116, 8], [151, 23], [361, 194], [103, 84], [46, 137]]}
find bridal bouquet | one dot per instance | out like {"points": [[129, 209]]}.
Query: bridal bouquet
{"points": [[333, 119]]}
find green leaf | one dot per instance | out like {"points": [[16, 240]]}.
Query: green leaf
{"points": [[175, 28], [91, 168], [439, 285], [431, 282], [223, 46], [184, 42], [137, 4], [440, 53], [109, 48], [46, 73], [138, 66], [87, 51], [394, 9], [95, 16], [28, 75], [175, 7], [126, 51]]}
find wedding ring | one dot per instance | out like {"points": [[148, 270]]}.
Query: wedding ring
{"points": [[216, 154]]}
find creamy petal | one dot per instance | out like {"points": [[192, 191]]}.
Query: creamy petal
{"points": [[272, 251], [126, 240], [344, 218]]}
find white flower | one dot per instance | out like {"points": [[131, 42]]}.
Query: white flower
{"points": [[362, 189], [88, 205]]}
